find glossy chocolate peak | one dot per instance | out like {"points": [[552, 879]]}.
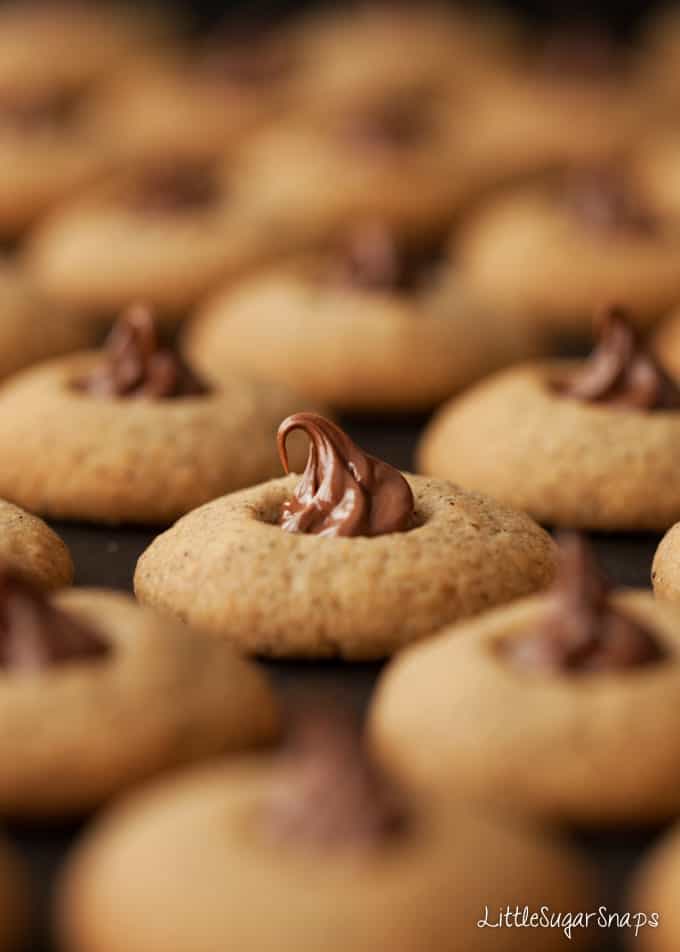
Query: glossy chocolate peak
{"points": [[330, 794], [175, 188], [136, 365], [582, 630], [35, 635], [343, 491], [621, 371], [604, 202]]}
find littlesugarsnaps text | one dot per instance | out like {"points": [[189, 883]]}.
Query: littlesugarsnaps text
{"points": [[523, 917]]}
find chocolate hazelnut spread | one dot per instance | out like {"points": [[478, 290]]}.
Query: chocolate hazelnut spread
{"points": [[389, 125], [35, 635], [373, 260], [136, 365], [581, 629], [37, 114], [248, 62], [604, 203], [174, 188], [330, 793], [343, 491], [621, 371]]}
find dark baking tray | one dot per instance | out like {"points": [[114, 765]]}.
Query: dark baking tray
{"points": [[107, 557]]}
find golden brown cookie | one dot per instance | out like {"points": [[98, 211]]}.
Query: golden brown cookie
{"points": [[397, 156], [364, 560], [666, 566], [32, 329], [47, 151], [371, 325], [562, 99], [165, 232], [277, 854], [48, 46], [666, 343], [131, 435], [223, 91], [655, 890], [537, 706], [31, 548], [109, 694], [395, 46], [592, 444], [552, 252]]}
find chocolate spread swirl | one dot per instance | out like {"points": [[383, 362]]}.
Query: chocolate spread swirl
{"points": [[373, 260], [137, 365], [392, 124], [603, 202], [174, 188], [35, 635], [343, 491], [622, 372], [582, 630], [251, 61], [37, 114], [329, 793]]}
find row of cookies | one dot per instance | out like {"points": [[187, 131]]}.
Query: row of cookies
{"points": [[86, 668], [175, 224]]}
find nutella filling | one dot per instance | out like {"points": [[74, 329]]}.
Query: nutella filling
{"points": [[621, 372], [330, 793], [41, 114], [135, 364], [602, 202], [343, 491], [391, 125], [35, 635], [372, 260], [582, 54], [582, 630], [249, 63], [174, 189]]}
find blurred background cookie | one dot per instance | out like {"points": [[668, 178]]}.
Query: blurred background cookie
{"points": [[86, 668], [372, 324], [310, 845]]}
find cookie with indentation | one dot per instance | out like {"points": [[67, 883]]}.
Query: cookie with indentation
{"points": [[396, 46], [224, 90], [47, 151], [592, 444], [352, 560], [308, 849], [370, 325], [48, 47], [31, 328], [31, 548], [666, 566], [555, 251], [536, 706], [557, 100], [166, 232], [131, 434], [399, 156], [98, 694]]}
